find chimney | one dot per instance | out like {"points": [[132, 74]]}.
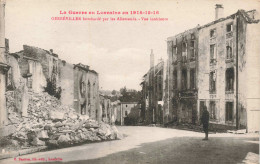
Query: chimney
{"points": [[151, 59], [219, 11], [51, 50]]}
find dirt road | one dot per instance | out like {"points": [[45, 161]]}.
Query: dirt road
{"points": [[157, 145]]}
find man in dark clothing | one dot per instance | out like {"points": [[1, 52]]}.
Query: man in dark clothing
{"points": [[205, 121]]}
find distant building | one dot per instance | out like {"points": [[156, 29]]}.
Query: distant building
{"points": [[125, 110], [86, 95], [106, 108], [152, 93]]}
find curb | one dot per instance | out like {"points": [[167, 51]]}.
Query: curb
{"points": [[22, 152]]}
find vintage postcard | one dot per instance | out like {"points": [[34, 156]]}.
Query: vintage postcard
{"points": [[127, 81]]}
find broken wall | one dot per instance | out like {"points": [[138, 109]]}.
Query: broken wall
{"points": [[86, 96], [66, 78]]}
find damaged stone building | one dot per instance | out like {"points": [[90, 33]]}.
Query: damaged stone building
{"points": [[125, 109], [86, 95], [217, 65], [77, 84], [106, 108], [152, 93], [35, 69], [4, 67], [182, 82]]}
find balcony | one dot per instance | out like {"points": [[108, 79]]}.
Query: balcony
{"points": [[188, 93], [229, 35], [184, 57], [229, 60]]}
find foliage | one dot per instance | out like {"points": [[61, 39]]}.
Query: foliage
{"points": [[133, 96], [113, 92], [133, 117]]}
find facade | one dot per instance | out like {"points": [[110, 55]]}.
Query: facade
{"points": [[215, 65], [229, 70], [37, 66], [106, 108], [125, 110], [34, 69], [152, 93], [182, 82], [86, 95], [3, 67]]}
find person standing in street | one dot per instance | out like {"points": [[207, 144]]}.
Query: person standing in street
{"points": [[205, 122]]}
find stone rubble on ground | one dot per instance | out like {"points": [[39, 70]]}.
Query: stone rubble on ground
{"points": [[52, 124]]}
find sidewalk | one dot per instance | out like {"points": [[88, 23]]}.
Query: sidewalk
{"points": [[13, 154]]}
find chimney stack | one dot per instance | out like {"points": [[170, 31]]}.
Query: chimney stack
{"points": [[219, 11], [151, 59]]}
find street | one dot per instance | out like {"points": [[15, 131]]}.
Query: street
{"points": [[159, 145]]}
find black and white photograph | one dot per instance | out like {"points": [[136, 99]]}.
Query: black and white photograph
{"points": [[129, 81]]}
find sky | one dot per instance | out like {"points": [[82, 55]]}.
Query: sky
{"points": [[118, 50]]}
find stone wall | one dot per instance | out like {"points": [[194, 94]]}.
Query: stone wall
{"points": [[253, 72], [30, 69], [220, 96], [86, 96], [66, 78], [126, 109]]}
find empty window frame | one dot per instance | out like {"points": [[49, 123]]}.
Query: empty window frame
{"points": [[88, 90], [212, 110], [192, 49], [175, 79], [184, 79], [229, 49], [229, 27], [230, 79], [174, 54], [213, 33], [192, 36], [192, 78], [184, 51], [212, 82], [213, 53], [229, 111]]}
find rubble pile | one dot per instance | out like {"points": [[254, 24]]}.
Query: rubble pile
{"points": [[13, 116], [52, 124]]}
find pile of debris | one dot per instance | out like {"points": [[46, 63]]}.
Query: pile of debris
{"points": [[52, 124]]}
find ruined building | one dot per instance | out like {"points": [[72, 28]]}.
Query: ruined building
{"points": [[216, 65], [106, 108], [152, 92], [39, 70], [3, 66], [183, 68], [86, 95], [125, 109]]}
